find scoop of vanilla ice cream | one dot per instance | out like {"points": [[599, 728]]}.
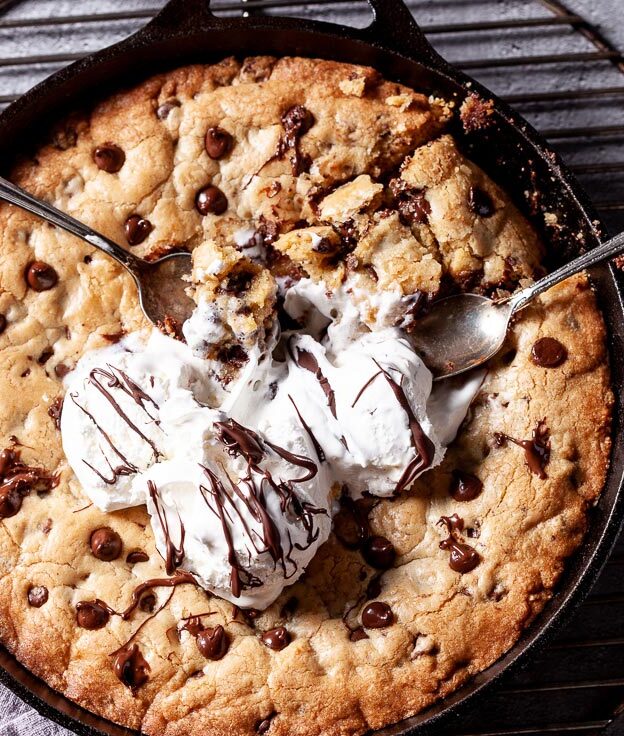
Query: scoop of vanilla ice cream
{"points": [[239, 476], [246, 531]]}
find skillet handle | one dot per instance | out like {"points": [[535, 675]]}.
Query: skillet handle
{"points": [[394, 27], [183, 14]]}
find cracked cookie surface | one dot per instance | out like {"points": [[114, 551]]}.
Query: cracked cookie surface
{"points": [[271, 170]]}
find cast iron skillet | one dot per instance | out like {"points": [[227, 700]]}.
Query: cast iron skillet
{"points": [[509, 150]]}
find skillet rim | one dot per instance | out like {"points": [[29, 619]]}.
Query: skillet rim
{"points": [[393, 36]]}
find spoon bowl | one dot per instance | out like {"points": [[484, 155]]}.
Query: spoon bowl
{"points": [[461, 332]]}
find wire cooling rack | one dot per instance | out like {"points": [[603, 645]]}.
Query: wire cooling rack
{"points": [[567, 80]]}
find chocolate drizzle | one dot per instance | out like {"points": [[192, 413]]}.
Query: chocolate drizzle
{"points": [[308, 362], [108, 381], [536, 450], [175, 555], [17, 480], [463, 557], [423, 447], [251, 493]]}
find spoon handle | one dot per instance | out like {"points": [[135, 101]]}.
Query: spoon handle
{"points": [[14, 195], [605, 251]]}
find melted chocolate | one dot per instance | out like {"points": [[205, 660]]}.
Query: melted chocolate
{"points": [[181, 577], [3, 323], [536, 450], [465, 486], [137, 555], [54, 411], [463, 558], [351, 523], [308, 362], [175, 555], [377, 615], [423, 446], [218, 143], [105, 544], [93, 615], [358, 634], [213, 643], [481, 203], [276, 639], [107, 381], [411, 203], [61, 370], [548, 352], [17, 480], [379, 553], [131, 667], [37, 596], [41, 276]]}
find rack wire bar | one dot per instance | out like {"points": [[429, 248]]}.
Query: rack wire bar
{"points": [[569, 82]]}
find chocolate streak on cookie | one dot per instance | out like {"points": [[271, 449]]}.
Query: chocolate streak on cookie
{"points": [[251, 492], [536, 450], [308, 362], [17, 480], [175, 555], [181, 577]]}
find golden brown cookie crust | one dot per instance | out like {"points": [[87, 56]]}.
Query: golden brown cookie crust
{"points": [[448, 626]]}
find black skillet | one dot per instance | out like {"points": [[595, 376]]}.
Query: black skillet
{"points": [[509, 150]]}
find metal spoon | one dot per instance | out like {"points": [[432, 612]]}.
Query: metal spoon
{"points": [[463, 331], [160, 283]]}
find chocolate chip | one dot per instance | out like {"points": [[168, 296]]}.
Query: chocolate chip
{"points": [[148, 603], [213, 643], [377, 615], [41, 276], [264, 725], [465, 486], [109, 158], [218, 143], [130, 667], [137, 555], [350, 524], [87, 259], [548, 352], [137, 229], [10, 502], [37, 596], [45, 356], [162, 111], [91, 615], [412, 204], [480, 202], [298, 120], [105, 544], [211, 200], [3, 323], [233, 355], [61, 370], [373, 589], [463, 558], [379, 552], [276, 639]]}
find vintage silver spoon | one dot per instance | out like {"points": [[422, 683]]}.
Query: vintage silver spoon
{"points": [[160, 283], [463, 331]]}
